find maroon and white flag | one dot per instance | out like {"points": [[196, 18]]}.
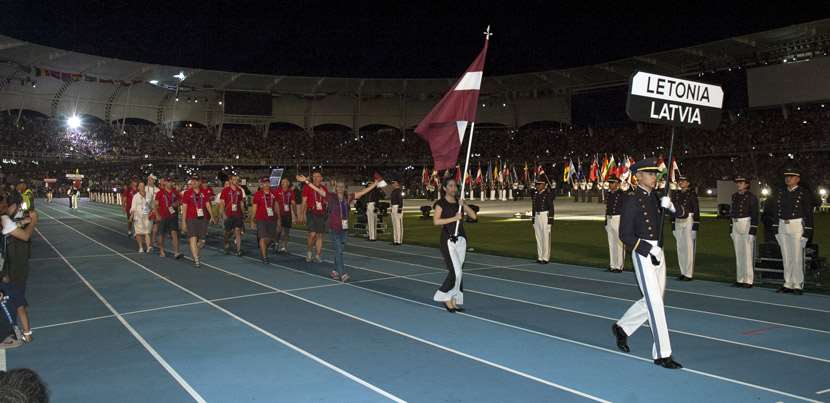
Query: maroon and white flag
{"points": [[443, 128]]}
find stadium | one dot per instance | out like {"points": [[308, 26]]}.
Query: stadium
{"points": [[189, 224]]}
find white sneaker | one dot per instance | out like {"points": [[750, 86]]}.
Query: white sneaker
{"points": [[308, 258], [140, 250], [317, 259]]}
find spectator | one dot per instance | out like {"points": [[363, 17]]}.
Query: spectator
{"points": [[14, 251]]}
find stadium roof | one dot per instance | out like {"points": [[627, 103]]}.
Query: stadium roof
{"points": [[808, 39]]}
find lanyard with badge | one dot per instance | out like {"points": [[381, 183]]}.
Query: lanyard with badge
{"points": [[146, 205], [318, 204], [200, 204], [344, 213], [286, 200], [169, 198], [234, 205], [269, 205]]}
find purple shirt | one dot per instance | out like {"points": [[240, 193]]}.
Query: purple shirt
{"points": [[338, 210]]}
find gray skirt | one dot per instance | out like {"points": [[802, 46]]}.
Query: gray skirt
{"points": [[197, 227], [316, 223], [266, 229]]}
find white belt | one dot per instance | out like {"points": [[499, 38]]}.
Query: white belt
{"points": [[793, 221], [741, 219]]}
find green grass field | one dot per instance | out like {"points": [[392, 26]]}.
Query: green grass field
{"points": [[584, 243]]}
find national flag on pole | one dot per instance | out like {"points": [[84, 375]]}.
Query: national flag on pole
{"points": [[612, 168], [661, 165], [425, 176], [674, 168], [489, 173], [604, 168], [526, 175], [457, 174], [444, 126], [566, 171], [478, 175], [592, 176]]}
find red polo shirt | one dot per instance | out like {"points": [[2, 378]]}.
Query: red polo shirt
{"points": [[231, 196], [166, 199], [263, 200], [194, 201], [314, 200], [285, 198], [127, 196]]}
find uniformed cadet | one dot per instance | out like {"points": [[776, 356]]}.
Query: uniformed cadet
{"points": [[542, 218], [684, 228], [744, 214], [639, 227], [371, 216], [613, 208], [396, 200], [795, 228]]}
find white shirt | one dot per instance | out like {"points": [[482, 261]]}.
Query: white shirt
{"points": [[8, 225], [151, 192], [140, 206]]}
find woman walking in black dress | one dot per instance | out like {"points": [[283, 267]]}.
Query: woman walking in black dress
{"points": [[453, 248]]}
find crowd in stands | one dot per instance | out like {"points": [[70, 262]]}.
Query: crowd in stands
{"points": [[753, 143]]}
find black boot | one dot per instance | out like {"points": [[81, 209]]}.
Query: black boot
{"points": [[668, 362], [622, 338]]}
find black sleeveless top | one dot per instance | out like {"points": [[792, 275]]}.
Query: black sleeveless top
{"points": [[449, 210]]}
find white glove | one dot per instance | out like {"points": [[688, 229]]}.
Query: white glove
{"points": [[666, 203], [657, 252]]}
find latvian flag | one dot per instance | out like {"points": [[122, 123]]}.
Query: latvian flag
{"points": [[443, 128]]}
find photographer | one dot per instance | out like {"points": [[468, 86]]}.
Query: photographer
{"points": [[14, 255]]}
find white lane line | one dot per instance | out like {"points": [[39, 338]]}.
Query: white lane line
{"points": [[821, 392], [599, 280], [181, 305], [577, 312], [182, 382], [249, 324], [2, 359], [380, 326], [473, 272], [702, 373]]}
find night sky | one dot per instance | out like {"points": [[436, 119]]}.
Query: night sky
{"points": [[383, 39]]}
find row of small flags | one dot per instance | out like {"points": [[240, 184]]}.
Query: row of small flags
{"points": [[503, 173]]}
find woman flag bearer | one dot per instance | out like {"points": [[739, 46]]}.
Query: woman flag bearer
{"points": [[744, 214], [639, 226], [453, 248]]}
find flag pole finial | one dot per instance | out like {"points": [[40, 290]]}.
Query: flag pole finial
{"points": [[487, 34]]}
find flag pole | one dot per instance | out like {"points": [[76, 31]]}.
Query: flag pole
{"points": [[668, 189], [464, 179]]}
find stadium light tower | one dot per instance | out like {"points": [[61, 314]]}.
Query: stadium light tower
{"points": [[73, 122]]}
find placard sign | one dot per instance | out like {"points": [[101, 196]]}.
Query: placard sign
{"points": [[673, 101]]}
